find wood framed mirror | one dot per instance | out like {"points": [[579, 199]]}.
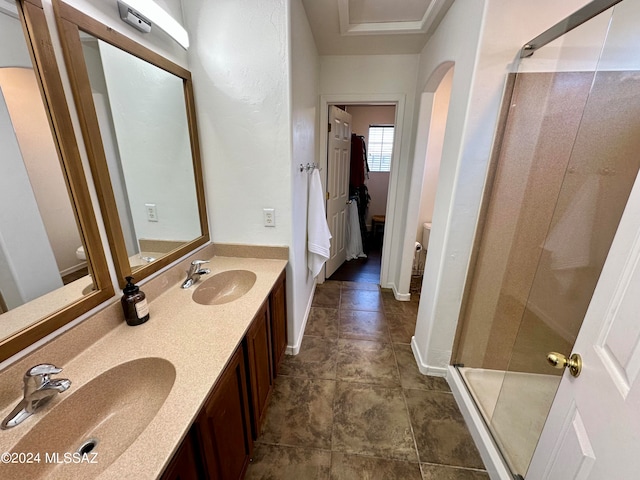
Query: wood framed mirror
{"points": [[52, 265], [137, 116]]}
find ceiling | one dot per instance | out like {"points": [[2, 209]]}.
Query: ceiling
{"points": [[373, 27]]}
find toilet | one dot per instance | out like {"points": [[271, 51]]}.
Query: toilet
{"points": [[426, 232], [80, 253]]}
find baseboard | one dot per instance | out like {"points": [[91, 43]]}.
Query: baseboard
{"points": [[491, 456], [422, 365], [401, 297], [295, 348], [73, 269]]}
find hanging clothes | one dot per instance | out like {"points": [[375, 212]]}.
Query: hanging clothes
{"points": [[359, 167], [359, 172], [354, 235]]}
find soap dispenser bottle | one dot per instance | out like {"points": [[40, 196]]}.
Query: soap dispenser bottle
{"points": [[134, 304]]}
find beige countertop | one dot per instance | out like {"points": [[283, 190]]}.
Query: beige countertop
{"points": [[197, 340], [21, 317]]}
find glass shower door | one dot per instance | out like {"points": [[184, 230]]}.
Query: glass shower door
{"points": [[602, 165]]}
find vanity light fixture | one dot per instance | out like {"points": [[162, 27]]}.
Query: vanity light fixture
{"points": [[141, 14]]}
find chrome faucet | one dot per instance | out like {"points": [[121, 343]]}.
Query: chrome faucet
{"points": [[194, 273], [39, 388]]}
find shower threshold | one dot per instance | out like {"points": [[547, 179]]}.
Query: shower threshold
{"points": [[514, 406]]}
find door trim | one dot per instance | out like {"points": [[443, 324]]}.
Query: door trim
{"points": [[393, 224]]}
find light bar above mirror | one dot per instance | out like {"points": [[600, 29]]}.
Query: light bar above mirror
{"points": [[143, 14]]}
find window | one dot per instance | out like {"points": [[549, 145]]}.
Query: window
{"points": [[380, 147]]}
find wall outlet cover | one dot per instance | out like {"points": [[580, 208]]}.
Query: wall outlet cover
{"points": [[269, 217]]}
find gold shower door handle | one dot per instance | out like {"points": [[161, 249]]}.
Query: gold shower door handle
{"points": [[574, 362]]}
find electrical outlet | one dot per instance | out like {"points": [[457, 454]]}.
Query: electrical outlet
{"points": [[152, 213], [269, 217]]}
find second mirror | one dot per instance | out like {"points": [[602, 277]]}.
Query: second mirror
{"points": [[139, 124]]}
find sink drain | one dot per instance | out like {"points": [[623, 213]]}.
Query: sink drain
{"points": [[88, 446]]}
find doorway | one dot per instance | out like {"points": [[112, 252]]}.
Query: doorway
{"points": [[432, 123], [394, 225], [373, 128]]}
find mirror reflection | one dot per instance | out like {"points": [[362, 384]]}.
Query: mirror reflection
{"points": [[142, 117], [43, 266]]}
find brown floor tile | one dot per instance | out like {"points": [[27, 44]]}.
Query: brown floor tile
{"points": [[317, 359], [410, 376], [360, 286], [288, 463], [322, 322], [329, 284], [363, 361], [361, 325], [441, 434], [410, 308], [368, 300], [372, 420], [300, 413], [387, 295], [438, 472], [327, 297], [356, 467], [402, 326]]}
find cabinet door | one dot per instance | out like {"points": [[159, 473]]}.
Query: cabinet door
{"points": [[185, 464], [258, 341], [224, 425], [278, 307]]}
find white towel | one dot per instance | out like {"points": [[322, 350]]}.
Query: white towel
{"points": [[354, 235], [318, 234]]}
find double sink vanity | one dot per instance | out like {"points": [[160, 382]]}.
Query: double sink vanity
{"points": [[184, 394], [180, 396]]}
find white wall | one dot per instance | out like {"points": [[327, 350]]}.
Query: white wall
{"points": [[365, 76], [305, 71], [378, 182], [483, 39], [240, 67]]}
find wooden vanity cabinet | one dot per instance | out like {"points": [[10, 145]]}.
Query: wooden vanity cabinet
{"points": [[186, 464], [220, 443], [223, 428], [278, 313], [259, 360]]}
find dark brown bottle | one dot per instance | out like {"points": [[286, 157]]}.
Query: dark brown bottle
{"points": [[134, 304]]}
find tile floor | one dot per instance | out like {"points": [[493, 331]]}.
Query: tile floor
{"points": [[352, 404]]}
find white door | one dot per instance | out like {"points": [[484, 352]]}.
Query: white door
{"points": [[338, 161], [593, 429]]}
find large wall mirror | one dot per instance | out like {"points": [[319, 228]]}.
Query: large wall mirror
{"points": [[52, 267], [138, 120]]}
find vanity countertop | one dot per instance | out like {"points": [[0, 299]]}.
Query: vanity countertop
{"points": [[197, 339]]}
